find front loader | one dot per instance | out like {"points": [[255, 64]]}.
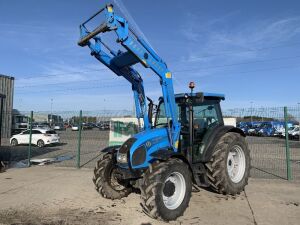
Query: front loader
{"points": [[187, 144]]}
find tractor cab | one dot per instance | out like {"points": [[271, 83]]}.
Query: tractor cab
{"points": [[199, 114]]}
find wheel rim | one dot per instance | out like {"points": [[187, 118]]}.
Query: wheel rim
{"points": [[174, 190], [114, 182], [236, 164], [40, 144]]}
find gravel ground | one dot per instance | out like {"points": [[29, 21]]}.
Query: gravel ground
{"points": [[53, 195]]}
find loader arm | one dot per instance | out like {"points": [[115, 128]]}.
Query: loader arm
{"points": [[137, 51]]}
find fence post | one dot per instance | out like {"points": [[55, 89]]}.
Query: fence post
{"points": [[287, 146], [30, 138], [79, 139]]}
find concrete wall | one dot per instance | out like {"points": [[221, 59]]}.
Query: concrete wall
{"points": [[7, 89], [230, 121]]}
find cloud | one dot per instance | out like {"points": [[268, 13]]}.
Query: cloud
{"points": [[238, 40], [65, 74], [76, 101], [195, 26]]}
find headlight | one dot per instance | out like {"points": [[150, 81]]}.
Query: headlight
{"points": [[122, 158]]}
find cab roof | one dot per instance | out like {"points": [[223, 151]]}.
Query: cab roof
{"points": [[205, 94]]}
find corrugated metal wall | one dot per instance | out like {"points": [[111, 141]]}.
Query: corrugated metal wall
{"points": [[7, 89]]}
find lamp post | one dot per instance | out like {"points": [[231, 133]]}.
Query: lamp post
{"points": [[51, 117], [251, 111], [299, 117], [2, 97]]}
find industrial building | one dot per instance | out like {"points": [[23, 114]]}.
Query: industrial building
{"points": [[6, 104]]}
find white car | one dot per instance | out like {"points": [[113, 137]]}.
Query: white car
{"points": [[294, 134], [290, 130], [75, 127], [58, 126], [40, 137]]}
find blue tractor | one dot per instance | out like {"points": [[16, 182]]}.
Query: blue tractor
{"points": [[186, 145]]}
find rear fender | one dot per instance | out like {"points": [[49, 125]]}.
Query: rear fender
{"points": [[212, 139]]}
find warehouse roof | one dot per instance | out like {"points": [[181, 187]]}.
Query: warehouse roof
{"points": [[5, 76]]}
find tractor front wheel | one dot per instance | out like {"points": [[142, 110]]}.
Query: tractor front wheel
{"points": [[106, 181], [166, 189]]}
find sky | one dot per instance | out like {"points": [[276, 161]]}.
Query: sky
{"points": [[247, 50]]}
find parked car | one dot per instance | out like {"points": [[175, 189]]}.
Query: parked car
{"points": [[291, 129], [253, 131], [84, 126], [245, 126], [87, 126], [279, 131], [266, 129], [59, 126], [75, 127], [103, 125], [294, 133], [40, 137]]}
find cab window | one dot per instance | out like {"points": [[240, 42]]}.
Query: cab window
{"points": [[161, 118], [205, 116]]}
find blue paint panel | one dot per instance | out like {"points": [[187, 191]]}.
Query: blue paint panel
{"points": [[158, 139]]}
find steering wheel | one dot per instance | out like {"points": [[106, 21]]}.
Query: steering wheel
{"points": [[185, 128]]}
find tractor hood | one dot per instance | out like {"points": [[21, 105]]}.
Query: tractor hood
{"points": [[139, 148]]}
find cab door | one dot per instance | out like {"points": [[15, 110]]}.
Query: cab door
{"points": [[206, 117]]}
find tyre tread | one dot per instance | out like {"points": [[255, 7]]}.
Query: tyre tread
{"points": [[216, 170]]}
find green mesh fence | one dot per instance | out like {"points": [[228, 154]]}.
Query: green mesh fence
{"points": [[95, 130], [265, 130], [294, 144], [100, 129]]}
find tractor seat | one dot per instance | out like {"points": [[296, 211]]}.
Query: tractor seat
{"points": [[200, 126]]}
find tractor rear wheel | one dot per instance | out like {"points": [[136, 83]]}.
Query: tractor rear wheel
{"points": [[105, 180], [166, 189], [229, 168]]}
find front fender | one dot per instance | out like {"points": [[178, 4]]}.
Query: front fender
{"points": [[146, 143], [111, 149]]}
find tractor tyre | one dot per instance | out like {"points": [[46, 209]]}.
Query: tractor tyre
{"points": [[166, 189], [105, 181], [229, 168]]}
